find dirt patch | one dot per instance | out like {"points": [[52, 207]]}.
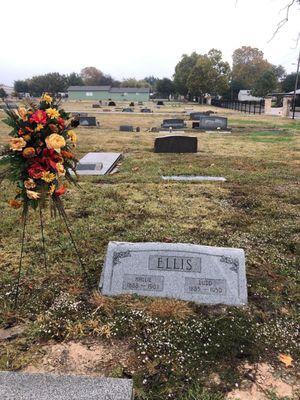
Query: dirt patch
{"points": [[261, 380], [75, 358]]}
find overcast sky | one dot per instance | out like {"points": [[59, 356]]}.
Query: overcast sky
{"points": [[136, 38]]}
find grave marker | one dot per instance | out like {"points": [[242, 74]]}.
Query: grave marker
{"points": [[97, 163], [211, 123], [87, 121], [173, 123], [203, 274], [126, 128], [24, 386], [175, 144], [79, 114], [196, 178]]}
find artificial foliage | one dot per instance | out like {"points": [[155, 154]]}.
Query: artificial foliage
{"points": [[40, 156]]}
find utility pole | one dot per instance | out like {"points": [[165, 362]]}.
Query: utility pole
{"points": [[296, 86]]}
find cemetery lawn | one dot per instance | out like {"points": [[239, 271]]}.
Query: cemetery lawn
{"points": [[172, 349]]}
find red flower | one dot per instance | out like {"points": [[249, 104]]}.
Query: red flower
{"points": [[20, 132], [60, 191], [40, 117], [36, 170], [61, 122]]}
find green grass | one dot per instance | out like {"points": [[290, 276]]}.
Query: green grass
{"points": [[257, 209]]}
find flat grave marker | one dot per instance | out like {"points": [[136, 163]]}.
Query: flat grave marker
{"points": [[203, 274], [97, 163], [87, 121], [79, 114], [175, 144], [126, 128], [196, 178], [24, 386]]}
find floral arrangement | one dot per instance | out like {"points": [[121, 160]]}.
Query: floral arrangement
{"points": [[40, 154]]}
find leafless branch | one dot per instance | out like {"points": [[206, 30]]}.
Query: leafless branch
{"points": [[284, 20]]}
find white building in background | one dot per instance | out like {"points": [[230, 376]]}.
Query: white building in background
{"points": [[8, 89], [245, 95]]}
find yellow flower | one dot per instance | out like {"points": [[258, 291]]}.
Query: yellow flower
{"points": [[55, 141], [60, 169], [52, 113], [32, 195], [46, 98], [72, 135], [17, 144], [27, 137], [52, 188], [29, 184], [23, 113], [48, 176], [39, 127]]}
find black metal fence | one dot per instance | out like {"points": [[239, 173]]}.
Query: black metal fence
{"points": [[249, 107]]}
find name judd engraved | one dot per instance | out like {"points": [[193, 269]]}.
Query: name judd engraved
{"points": [[143, 282], [177, 263], [205, 286]]}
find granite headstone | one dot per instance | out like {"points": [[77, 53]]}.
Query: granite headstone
{"points": [[97, 163], [173, 123], [24, 386], [87, 121], [207, 123], [175, 144], [126, 128], [193, 178], [203, 274]]}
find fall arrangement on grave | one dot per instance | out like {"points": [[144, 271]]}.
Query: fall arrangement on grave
{"points": [[38, 160], [40, 153]]}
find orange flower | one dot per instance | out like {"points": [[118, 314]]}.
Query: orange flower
{"points": [[15, 203], [28, 129], [60, 191], [29, 152], [17, 144], [23, 113], [27, 137]]}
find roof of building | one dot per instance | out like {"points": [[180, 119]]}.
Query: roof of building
{"points": [[297, 91], [87, 88], [107, 89], [129, 90]]}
